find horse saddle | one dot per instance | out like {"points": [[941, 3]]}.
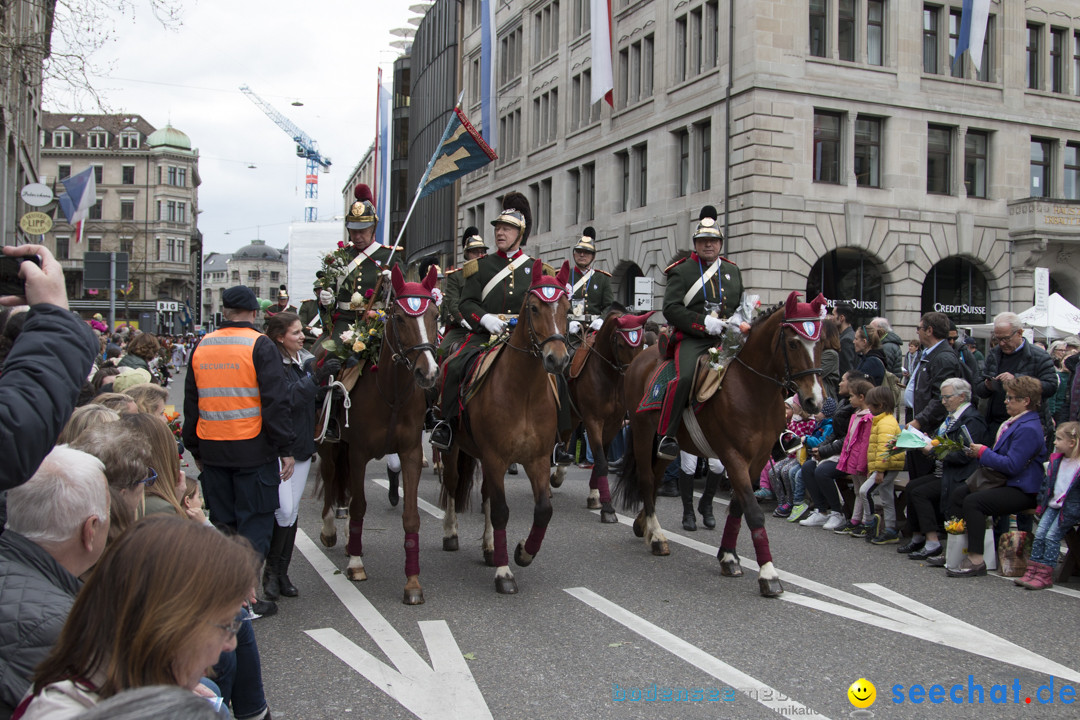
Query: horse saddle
{"points": [[478, 371], [581, 355], [663, 380]]}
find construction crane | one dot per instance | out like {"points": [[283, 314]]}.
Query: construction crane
{"points": [[305, 148]]}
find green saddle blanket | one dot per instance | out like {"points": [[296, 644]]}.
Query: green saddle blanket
{"points": [[656, 388]]}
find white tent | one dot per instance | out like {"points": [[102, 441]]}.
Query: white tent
{"points": [[1060, 318]]}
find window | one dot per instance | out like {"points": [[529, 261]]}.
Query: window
{"points": [[127, 174], [475, 79], [826, 147], [705, 164], [641, 159], [1041, 151], [867, 162], [235, 273], [582, 20], [819, 28], [63, 248], [474, 12], [543, 220], [181, 212], [845, 32], [62, 139], [63, 172], [938, 159], [583, 110], [636, 72], [510, 136], [1057, 59], [545, 31], [1072, 171], [159, 215], [129, 140], [975, 149], [697, 38], [93, 244], [172, 249], [623, 159], [1076, 63], [97, 140], [253, 275], [588, 191], [956, 69], [545, 118], [127, 245], [682, 139], [930, 40], [681, 49], [176, 176], [986, 64], [1032, 78], [510, 56], [875, 32], [275, 277], [99, 173], [127, 209], [95, 211]]}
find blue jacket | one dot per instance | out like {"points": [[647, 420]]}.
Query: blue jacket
{"points": [[1070, 508], [820, 435], [1019, 453]]}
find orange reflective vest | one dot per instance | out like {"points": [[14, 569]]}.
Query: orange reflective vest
{"points": [[230, 407]]}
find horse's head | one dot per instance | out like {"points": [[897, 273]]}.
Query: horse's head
{"points": [[627, 336], [799, 335], [411, 325], [544, 314]]}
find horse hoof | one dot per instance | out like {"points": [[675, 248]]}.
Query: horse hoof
{"points": [[328, 540], [356, 574], [556, 479], [506, 586], [608, 516], [660, 547], [450, 544], [639, 524], [770, 588], [594, 503], [731, 568], [522, 558], [413, 596], [489, 557]]}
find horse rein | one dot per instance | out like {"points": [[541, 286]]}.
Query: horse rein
{"points": [[788, 383], [536, 346], [401, 354]]}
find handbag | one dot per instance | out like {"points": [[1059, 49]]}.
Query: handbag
{"points": [[985, 478]]}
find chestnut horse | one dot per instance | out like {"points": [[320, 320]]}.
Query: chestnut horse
{"points": [[512, 418], [740, 425], [386, 415], [596, 396]]}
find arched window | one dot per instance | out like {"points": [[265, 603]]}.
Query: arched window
{"points": [[957, 288], [848, 275]]}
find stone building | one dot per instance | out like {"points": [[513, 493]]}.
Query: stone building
{"points": [[846, 148], [261, 267], [147, 184]]}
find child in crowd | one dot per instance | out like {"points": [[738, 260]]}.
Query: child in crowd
{"points": [[192, 501], [822, 432], [1059, 500], [819, 471], [853, 455], [878, 488], [766, 483], [782, 476]]}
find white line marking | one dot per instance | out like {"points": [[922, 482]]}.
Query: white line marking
{"points": [[420, 502], [737, 679]]}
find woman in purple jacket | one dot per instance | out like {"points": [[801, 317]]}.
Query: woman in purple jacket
{"points": [[1018, 454]]}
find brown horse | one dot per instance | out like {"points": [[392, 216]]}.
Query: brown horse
{"points": [[739, 424], [596, 396], [512, 418], [386, 415]]}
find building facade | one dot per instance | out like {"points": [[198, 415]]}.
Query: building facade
{"points": [[147, 184], [262, 268], [846, 148]]}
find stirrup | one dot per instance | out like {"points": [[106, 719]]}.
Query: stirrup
{"points": [[441, 435], [333, 431], [559, 455], [667, 448]]}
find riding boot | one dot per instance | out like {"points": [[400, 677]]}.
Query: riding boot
{"points": [[271, 584], [686, 490], [286, 585], [705, 504], [430, 421], [394, 476], [668, 448], [442, 435]]}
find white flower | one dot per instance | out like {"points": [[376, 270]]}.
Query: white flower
{"points": [[347, 336], [356, 301]]}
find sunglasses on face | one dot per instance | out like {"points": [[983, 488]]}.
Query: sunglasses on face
{"points": [[150, 479]]}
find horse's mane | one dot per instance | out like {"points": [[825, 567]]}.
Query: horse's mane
{"points": [[765, 315]]}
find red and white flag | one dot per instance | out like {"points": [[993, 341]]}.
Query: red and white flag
{"points": [[603, 80]]}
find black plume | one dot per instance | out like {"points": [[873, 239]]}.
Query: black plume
{"points": [[517, 201], [590, 232], [707, 212]]}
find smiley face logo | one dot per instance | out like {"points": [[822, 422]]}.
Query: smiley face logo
{"points": [[862, 693]]}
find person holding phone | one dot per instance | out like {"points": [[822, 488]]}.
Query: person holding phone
{"points": [[45, 369]]}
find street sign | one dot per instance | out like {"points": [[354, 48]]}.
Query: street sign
{"points": [[36, 194], [96, 269], [643, 294], [35, 223], [1042, 288], [167, 306]]}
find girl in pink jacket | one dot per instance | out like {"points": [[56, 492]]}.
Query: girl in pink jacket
{"points": [[853, 455]]}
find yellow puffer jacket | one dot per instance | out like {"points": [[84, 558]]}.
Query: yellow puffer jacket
{"points": [[882, 432]]}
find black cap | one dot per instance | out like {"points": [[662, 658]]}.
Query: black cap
{"points": [[240, 297]]}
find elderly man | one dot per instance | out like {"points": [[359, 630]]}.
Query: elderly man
{"points": [[937, 362], [1013, 357], [891, 345], [57, 525]]}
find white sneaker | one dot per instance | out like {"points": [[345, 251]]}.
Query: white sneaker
{"points": [[816, 519], [836, 520]]}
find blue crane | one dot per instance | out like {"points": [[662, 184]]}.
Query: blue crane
{"points": [[306, 148]]}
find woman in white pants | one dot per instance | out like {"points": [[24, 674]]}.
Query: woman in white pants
{"points": [[688, 467]]}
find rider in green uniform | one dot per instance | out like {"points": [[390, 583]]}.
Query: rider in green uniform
{"points": [[369, 260], [456, 329], [591, 287], [702, 290], [494, 287], [315, 314]]}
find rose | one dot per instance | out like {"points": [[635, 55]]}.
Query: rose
{"points": [[347, 336], [341, 244], [359, 346], [372, 314], [368, 294], [355, 301]]}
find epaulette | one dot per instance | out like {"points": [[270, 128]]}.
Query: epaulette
{"points": [[549, 270], [471, 267], [678, 262], [451, 271], [399, 248], [603, 272], [729, 262]]}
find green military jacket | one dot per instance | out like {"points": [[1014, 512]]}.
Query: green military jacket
{"points": [[364, 276], [274, 310], [504, 299], [314, 319], [592, 297], [723, 291], [450, 314]]}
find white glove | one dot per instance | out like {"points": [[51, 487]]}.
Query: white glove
{"points": [[493, 324], [714, 326], [595, 325], [575, 327], [325, 297], [465, 324], [385, 273]]}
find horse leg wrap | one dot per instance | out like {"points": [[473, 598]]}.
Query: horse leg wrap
{"points": [[761, 545], [356, 537], [532, 543], [731, 532], [594, 479], [412, 554], [501, 557], [605, 492]]}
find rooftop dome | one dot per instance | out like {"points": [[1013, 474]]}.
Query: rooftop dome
{"points": [[169, 136], [257, 250]]}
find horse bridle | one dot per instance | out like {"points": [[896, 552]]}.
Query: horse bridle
{"points": [[616, 365], [400, 354], [788, 383], [536, 347]]}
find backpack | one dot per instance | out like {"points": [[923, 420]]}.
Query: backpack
{"points": [[893, 383], [967, 367]]}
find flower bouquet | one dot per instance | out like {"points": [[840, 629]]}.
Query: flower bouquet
{"points": [[333, 267], [955, 526], [362, 340], [173, 419]]}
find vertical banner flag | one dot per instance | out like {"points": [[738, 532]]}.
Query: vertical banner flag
{"points": [[973, 19], [603, 80], [382, 166], [488, 101], [461, 150], [81, 195]]}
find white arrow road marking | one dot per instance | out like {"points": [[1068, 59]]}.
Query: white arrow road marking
{"points": [[913, 619], [445, 689], [737, 679], [420, 502]]}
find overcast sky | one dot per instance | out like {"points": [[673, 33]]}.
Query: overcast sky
{"points": [[324, 53]]}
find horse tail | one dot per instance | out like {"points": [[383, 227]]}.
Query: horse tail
{"points": [[626, 487], [332, 479], [466, 470]]}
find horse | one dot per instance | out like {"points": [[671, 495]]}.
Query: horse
{"points": [[596, 396], [780, 356], [512, 418], [387, 416]]}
